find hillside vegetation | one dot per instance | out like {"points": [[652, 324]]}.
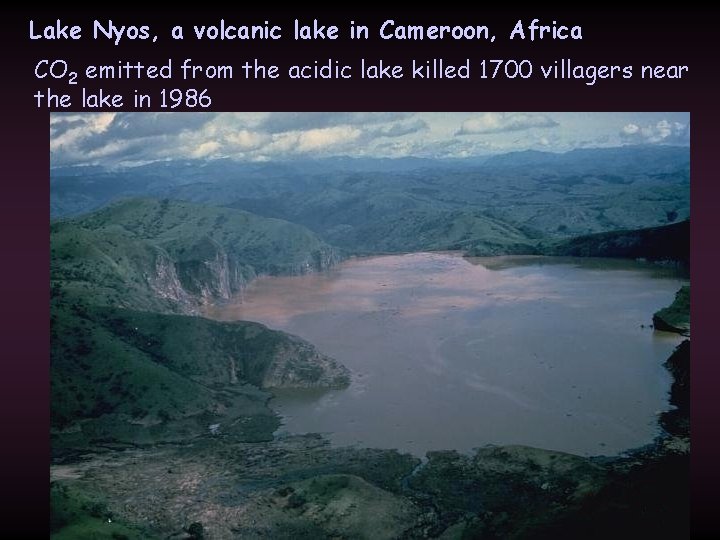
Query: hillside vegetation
{"points": [[123, 370], [175, 256], [669, 242], [129, 376]]}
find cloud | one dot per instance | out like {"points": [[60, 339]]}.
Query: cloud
{"points": [[281, 122], [62, 126], [126, 139], [68, 132], [244, 140], [127, 126], [399, 129], [492, 122], [133, 138], [444, 149], [206, 149], [322, 139], [662, 132]]}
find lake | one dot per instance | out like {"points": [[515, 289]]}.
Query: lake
{"points": [[450, 352]]}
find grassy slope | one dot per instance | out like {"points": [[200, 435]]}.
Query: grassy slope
{"points": [[120, 254], [417, 230], [135, 377], [268, 245], [109, 266]]}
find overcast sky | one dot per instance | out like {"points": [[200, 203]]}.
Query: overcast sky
{"points": [[135, 138]]}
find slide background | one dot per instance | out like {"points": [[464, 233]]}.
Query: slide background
{"points": [[620, 37]]}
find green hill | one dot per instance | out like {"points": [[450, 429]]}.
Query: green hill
{"points": [[129, 376], [124, 370], [418, 230], [173, 256]]}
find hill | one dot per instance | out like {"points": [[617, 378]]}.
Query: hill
{"points": [[175, 256], [136, 377], [670, 242], [124, 370]]}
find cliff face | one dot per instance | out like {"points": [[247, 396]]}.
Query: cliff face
{"points": [[210, 271], [165, 283], [207, 272]]}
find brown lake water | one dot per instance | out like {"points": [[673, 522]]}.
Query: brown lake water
{"points": [[455, 353]]}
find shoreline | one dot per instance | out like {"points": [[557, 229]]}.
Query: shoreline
{"points": [[293, 483]]}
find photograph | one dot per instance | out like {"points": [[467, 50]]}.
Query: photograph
{"points": [[369, 325]]}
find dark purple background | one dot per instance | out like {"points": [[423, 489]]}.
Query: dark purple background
{"points": [[620, 37]]}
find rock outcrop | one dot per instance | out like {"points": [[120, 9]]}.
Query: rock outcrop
{"points": [[676, 317], [297, 364]]}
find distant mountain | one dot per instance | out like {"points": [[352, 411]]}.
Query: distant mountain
{"points": [[634, 159], [368, 205]]}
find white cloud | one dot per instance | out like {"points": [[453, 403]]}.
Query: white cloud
{"points": [[280, 122], [67, 131], [321, 139], [493, 122], [116, 139], [245, 139], [630, 129], [206, 149], [661, 132]]}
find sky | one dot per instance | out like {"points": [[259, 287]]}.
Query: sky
{"points": [[126, 139]]}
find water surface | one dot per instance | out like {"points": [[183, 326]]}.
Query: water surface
{"points": [[456, 353]]}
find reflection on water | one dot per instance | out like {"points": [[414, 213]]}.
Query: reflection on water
{"points": [[448, 352]]}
